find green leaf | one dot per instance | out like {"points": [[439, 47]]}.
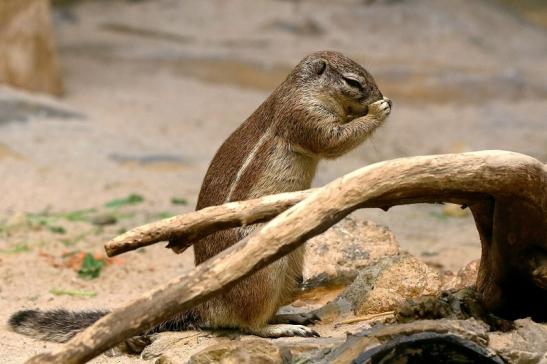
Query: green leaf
{"points": [[42, 218], [78, 215], [19, 248], [179, 201], [73, 293], [132, 199], [91, 267], [56, 229]]}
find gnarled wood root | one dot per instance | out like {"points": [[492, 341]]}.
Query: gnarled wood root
{"points": [[505, 191]]}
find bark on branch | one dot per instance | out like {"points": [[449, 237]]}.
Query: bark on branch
{"points": [[506, 192], [193, 226]]}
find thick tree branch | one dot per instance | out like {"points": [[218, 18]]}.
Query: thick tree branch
{"points": [[511, 180], [192, 226]]}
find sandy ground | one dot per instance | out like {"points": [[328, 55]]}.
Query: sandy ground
{"points": [[154, 87]]}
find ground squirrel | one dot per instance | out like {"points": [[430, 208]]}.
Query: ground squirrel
{"points": [[327, 106]]}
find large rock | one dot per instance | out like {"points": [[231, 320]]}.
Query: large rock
{"points": [[308, 350], [527, 344], [27, 52], [178, 347], [231, 347], [196, 347], [235, 352], [336, 256], [466, 276], [383, 287]]}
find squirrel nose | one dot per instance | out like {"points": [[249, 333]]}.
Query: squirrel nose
{"points": [[388, 101]]}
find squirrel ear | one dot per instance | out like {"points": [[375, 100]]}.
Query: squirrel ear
{"points": [[318, 66]]}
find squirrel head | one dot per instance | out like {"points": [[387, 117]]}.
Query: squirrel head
{"points": [[337, 83]]}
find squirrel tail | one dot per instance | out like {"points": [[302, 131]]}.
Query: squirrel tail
{"points": [[61, 325], [54, 325]]}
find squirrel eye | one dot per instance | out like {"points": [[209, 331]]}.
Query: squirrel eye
{"points": [[353, 83]]}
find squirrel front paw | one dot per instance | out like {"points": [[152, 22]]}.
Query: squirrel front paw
{"points": [[380, 109]]}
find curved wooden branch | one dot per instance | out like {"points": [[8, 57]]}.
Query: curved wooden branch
{"points": [[490, 181], [192, 226]]}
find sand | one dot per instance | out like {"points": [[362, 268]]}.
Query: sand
{"points": [[154, 87]]}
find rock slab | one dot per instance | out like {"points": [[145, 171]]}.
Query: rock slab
{"points": [[384, 286], [336, 256]]}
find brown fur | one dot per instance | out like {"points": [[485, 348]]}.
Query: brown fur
{"points": [[313, 114]]}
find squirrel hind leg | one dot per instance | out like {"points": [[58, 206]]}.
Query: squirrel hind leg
{"points": [[305, 318], [282, 330]]}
